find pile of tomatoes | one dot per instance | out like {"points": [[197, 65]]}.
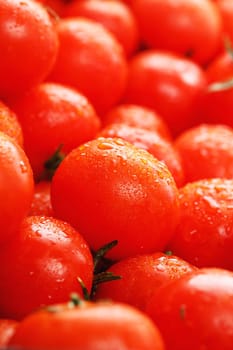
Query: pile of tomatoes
{"points": [[116, 174]]}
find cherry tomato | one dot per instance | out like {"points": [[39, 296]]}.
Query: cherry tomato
{"points": [[7, 329], [206, 152], [29, 41], [152, 142], [221, 68], [216, 105], [196, 311], [53, 116], [40, 266], [110, 190], [204, 236], [225, 8], [89, 326], [113, 15], [91, 60], [191, 28], [174, 93], [135, 115], [140, 277], [9, 124], [41, 203], [16, 186]]}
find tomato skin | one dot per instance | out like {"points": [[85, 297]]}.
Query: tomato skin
{"points": [[174, 93], [40, 266], [225, 8], [206, 152], [110, 190], [16, 186], [141, 276], [150, 141], [29, 41], [114, 15], [199, 307], [9, 124], [41, 203], [58, 115], [195, 25], [104, 326], [138, 116], [7, 329], [90, 60], [221, 68], [204, 236]]}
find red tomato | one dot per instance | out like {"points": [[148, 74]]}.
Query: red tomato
{"points": [[141, 276], [16, 186], [138, 116], [113, 15], [204, 236], [7, 329], [9, 124], [225, 8], [206, 152], [153, 143], [29, 41], [174, 93], [40, 266], [217, 104], [191, 28], [91, 60], [110, 190], [221, 68], [52, 115], [41, 203], [195, 311], [90, 326]]}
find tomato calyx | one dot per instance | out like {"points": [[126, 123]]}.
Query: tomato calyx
{"points": [[228, 46], [220, 86], [75, 301], [101, 264], [189, 53], [53, 162], [168, 253]]}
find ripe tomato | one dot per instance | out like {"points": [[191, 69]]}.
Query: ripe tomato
{"points": [[206, 152], [195, 312], [90, 326], [221, 68], [153, 143], [16, 186], [52, 115], [40, 266], [191, 28], [141, 276], [9, 124], [138, 116], [7, 329], [216, 105], [174, 93], [91, 60], [113, 15], [41, 203], [29, 41], [225, 8], [204, 236], [110, 190]]}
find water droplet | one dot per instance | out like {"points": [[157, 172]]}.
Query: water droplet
{"points": [[23, 167], [105, 146]]}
